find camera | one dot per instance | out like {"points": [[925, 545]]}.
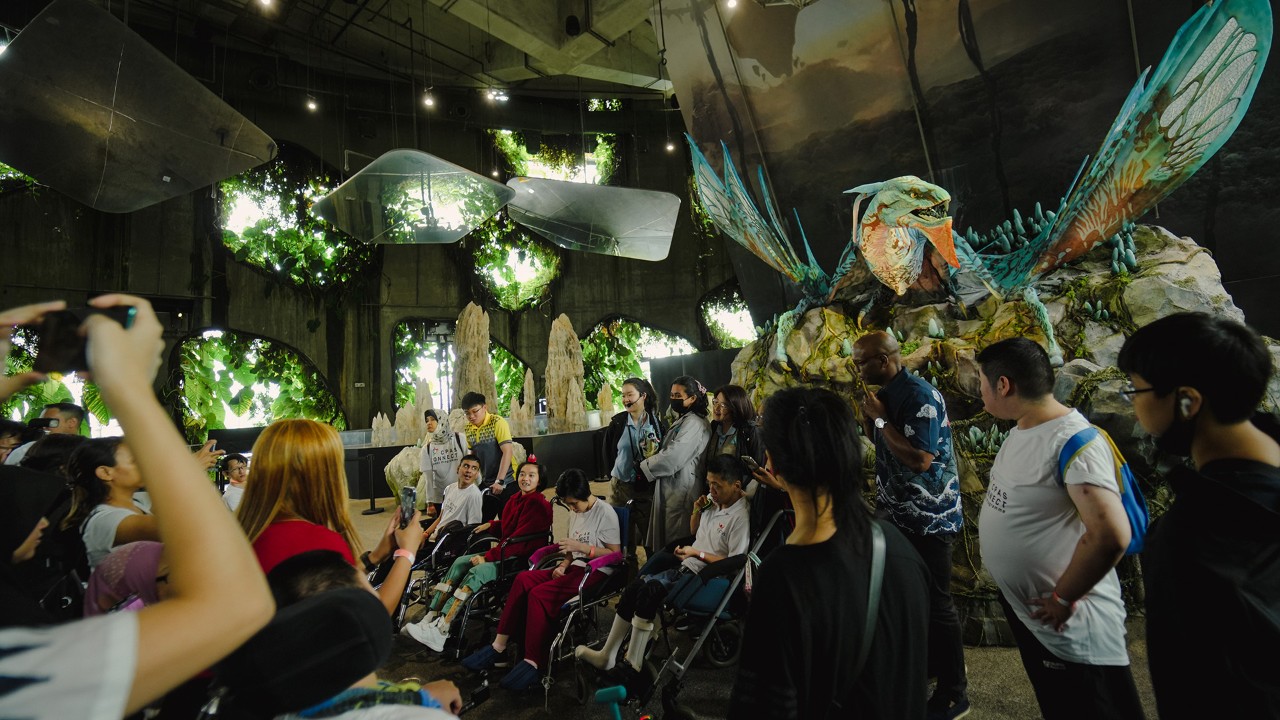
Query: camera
{"points": [[43, 423], [61, 348]]}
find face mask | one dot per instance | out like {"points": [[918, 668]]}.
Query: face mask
{"points": [[679, 407], [1176, 439]]}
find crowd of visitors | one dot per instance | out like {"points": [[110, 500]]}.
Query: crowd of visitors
{"points": [[850, 613]]}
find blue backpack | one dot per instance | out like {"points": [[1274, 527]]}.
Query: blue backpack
{"points": [[1135, 505]]}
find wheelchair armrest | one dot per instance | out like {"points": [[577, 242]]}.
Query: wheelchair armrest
{"points": [[543, 552], [604, 561], [723, 568]]}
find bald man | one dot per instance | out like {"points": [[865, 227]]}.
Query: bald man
{"points": [[918, 490]]}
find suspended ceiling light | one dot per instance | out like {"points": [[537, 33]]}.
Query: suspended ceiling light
{"points": [[427, 99], [265, 3], [731, 4], [497, 95], [671, 147], [312, 105]]}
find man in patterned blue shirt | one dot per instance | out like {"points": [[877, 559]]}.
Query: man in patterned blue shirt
{"points": [[918, 490]]}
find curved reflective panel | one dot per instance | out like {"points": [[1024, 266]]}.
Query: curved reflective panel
{"points": [[411, 197], [617, 221], [92, 110]]}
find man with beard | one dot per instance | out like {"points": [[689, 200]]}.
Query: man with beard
{"points": [[1052, 543]]}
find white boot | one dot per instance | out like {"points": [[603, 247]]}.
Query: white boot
{"points": [[641, 631], [605, 657]]}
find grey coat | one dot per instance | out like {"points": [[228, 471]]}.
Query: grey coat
{"points": [[675, 470]]}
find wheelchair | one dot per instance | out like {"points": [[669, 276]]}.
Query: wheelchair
{"points": [[428, 569]]}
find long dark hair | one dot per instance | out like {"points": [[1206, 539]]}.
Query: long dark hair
{"points": [[88, 491], [696, 390], [813, 444], [643, 387], [51, 453], [740, 407]]}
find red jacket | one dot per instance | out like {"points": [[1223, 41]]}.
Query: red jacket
{"points": [[522, 515]]}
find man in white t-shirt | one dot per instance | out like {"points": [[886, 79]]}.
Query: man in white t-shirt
{"points": [[462, 501], [1052, 547]]}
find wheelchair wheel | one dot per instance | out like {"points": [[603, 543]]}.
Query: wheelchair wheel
{"points": [[723, 646]]}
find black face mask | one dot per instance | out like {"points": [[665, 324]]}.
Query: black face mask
{"points": [[1176, 439], [679, 407]]}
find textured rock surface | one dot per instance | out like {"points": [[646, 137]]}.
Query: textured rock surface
{"points": [[473, 370], [604, 401], [521, 416], [1092, 312], [565, 410]]}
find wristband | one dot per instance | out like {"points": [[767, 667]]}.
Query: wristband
{"points": [[1058, 599], [368, 564], [702, 556], [402, 553]]}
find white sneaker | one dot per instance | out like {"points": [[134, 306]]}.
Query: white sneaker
{"points": [[433, 637]]}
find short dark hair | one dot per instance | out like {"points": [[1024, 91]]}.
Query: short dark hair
{"points": [[472, 457], [728, 467], [12, 428], [740, 407], [542, 470], [813, 443], [429, 414], [310, 573], [1227, 362], [227, 459], [70, 409], [472, 399], [1023, 362], [573, 483]]}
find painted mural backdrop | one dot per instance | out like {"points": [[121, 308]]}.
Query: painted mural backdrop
{"points": [[997, 101]]}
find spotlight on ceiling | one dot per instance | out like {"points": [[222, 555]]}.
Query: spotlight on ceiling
{"points": [[497, 95], [731, 3], [427, 99], [265, 3], [494, 173], [671, 147], [312, 105]]}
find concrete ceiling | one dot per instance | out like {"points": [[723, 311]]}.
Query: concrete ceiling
{"points": [[541, 47]]}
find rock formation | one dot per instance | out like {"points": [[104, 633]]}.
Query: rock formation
{"points": [[521, 415], [605, 403], [473, 371], [565, 411]]}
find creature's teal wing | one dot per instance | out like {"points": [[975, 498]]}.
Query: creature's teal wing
{"points": [[731, 208], [1169, 126]]}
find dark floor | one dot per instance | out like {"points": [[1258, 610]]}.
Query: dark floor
{"points": [[998, 686]]}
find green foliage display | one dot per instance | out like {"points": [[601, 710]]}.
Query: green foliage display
{"points": [[491, 246], [720, 306], [604, 105], [211, 366], [606, 156], [609, 356], [508, 374], [287, 241], [413, 340], [11, 174]]}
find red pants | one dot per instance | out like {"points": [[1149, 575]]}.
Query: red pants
{"points": [[534, 605]]}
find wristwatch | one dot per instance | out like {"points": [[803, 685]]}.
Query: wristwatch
{"points": [[880, 423]]}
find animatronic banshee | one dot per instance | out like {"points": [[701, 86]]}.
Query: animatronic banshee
{"points": [[1171, 124]]}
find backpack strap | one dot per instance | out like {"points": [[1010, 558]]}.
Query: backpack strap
{"points": [[1072, 449], [873, 595]]}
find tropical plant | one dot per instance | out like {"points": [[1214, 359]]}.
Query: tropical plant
{"points": [[223, 372], [609, 356], [727, 317], [281, 236], [508, 374], [514, 266]]}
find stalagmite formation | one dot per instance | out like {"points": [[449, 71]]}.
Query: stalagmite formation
{"points": [[521, 415], [565, 412], [605, 402], [473, 371]]}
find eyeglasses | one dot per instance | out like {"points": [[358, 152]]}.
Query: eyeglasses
{"points": [[1130, 391], [720, 404]]}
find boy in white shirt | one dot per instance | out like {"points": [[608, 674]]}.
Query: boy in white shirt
{"points": [[462, 501]]}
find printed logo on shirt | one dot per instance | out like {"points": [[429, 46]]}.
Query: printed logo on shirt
{"points": [[997, 499]]}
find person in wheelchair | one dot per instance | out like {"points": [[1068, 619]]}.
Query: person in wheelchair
{"points": [[527, 514], [536, 596], [721, 521], [461, 502]]}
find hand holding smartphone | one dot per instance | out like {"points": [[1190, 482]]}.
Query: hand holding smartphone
{"points": [[62, 348], [408, 500]]}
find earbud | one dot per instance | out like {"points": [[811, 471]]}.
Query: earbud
{"points": [[1184, 406]]}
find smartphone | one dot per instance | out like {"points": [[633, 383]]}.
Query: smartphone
{"points": [[61, 348], [408, 499], [751, 463]]}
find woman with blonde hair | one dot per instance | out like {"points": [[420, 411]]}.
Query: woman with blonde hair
{"points": [[297, 502]]}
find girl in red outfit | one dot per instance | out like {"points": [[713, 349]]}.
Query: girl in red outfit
{"points": [[528, 513], [536, 596]]}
